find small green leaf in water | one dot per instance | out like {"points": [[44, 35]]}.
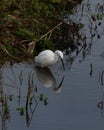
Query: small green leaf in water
{"points": [[21, 110], [41, 97], [45, 101], [7, 112], [11, 97], [31, 98]]}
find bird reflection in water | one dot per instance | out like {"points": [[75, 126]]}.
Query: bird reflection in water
{"points": [[47, 79]]}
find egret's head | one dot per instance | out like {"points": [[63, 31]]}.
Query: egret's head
{"points": [[61, 56]]}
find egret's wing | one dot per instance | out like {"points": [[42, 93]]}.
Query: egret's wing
{"points": [[44, 59]]}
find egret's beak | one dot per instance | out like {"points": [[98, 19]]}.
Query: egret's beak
{"points": [[62, 63]]}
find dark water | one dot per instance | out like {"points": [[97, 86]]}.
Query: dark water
{"points": [[54, 99]]}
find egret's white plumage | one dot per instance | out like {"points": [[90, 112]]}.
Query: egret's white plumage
{"points": [[48, 57]]}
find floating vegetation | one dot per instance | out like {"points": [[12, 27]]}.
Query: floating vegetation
{"points": [[43, 98], [21, 110]]}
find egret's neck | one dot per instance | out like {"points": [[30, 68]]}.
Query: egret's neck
{"points": [[56, 58]]}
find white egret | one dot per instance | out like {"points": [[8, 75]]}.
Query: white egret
{"points": [[48, 57]]}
